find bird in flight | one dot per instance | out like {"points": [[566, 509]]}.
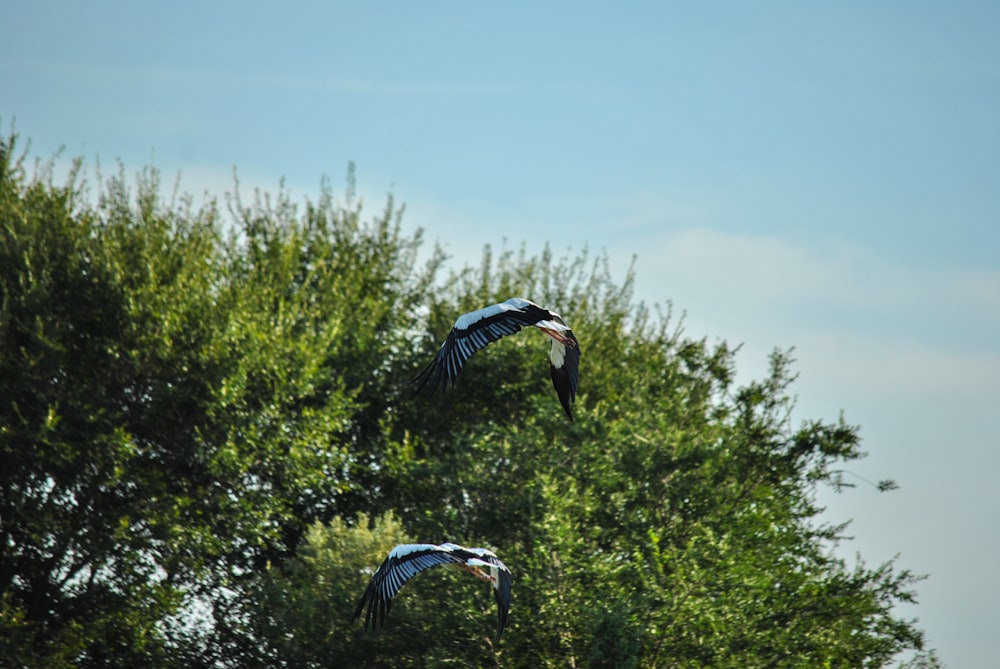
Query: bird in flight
{"points": [[407, 560], [477, 329]]}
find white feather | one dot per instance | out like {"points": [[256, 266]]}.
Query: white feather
{"points": [[402, 550], [465, 321], [558, 354]]}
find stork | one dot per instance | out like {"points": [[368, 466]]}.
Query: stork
{"points": [[407, 560], [477, 329]]}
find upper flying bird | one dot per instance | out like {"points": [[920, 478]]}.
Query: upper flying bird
{"points": [[407, 560], [475, 330]]}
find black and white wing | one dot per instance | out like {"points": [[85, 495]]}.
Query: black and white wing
{"points": [[564, 365], [497, 574], [407, 560], [403, 563], [473, 332], [502, 585]]}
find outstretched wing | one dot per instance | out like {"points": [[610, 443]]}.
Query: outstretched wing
{"points": [[404, 562], [502, 590], [499, 575], [473, 332], [564, 364]]}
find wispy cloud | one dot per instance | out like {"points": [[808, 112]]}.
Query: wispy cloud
{"points": [[776, 279]]}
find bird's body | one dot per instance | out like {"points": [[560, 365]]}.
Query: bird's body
{"points": [[477, 329], [407, 560]]}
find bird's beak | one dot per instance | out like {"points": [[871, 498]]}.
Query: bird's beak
{"points": [[479, 573], [559, 337]]}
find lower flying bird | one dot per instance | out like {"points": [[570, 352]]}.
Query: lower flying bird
{"points": [[407, 560], [477, 329]]}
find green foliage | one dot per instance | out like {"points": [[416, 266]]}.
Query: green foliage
{"points": [[210, 440], [303, 611], [305, 605], [179, 400]]}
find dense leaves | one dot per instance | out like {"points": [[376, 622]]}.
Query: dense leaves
{"points": [[209, 439]]}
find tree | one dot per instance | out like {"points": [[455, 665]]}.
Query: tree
{"points": [[178, 401], [673, 524], [210, 438]]}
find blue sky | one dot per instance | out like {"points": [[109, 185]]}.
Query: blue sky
{"points": [[787, 174]]}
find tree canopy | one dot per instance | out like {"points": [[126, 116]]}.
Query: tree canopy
{"points": [[210, 439]]}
